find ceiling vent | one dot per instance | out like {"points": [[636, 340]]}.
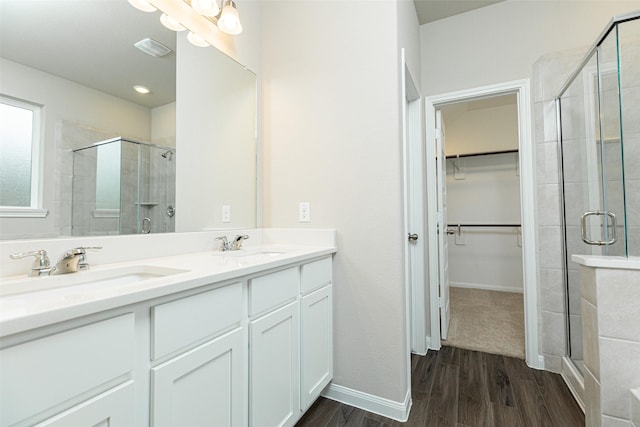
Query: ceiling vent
{"points": [[152, 47]]}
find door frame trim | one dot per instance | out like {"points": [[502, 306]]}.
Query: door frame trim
{"points": [[527, 194]]}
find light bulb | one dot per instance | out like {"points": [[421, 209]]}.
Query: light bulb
{"points": [[171, 23], [229, 21], [196, 40], [206, 7], [142, 5]]}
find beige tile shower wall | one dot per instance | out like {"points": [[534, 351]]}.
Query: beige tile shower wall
{"points": [[612, 344], [549, 74]]}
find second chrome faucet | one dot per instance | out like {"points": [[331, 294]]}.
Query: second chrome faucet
{"points": [[233, 245]]}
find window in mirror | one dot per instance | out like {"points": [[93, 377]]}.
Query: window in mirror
{"points": [[19, 158]]}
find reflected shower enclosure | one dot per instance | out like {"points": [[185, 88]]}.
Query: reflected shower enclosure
{"points": [[600, 153], [121, 186]]}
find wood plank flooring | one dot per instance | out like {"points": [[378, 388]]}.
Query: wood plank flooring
{"points": [[464, 388]]}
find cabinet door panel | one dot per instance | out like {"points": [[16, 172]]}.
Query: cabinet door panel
{"points": [[274, 383], [202, 387], [317, 345], [63, 366], [114, 408]]}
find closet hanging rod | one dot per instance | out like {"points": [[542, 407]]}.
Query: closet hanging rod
{"points": [[483, 225], [486, 153]]}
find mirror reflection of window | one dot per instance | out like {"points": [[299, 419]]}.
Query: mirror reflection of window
{"points": [[19, 139]]}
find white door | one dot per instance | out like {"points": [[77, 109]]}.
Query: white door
{"points": [[443, 249]]}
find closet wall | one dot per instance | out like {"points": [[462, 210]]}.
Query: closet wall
{"points": [[484, 189]]}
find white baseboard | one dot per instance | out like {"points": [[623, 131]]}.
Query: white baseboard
{"points": [[486, 287], [398, 411]]}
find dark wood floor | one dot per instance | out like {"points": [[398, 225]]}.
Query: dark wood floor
{"points": [[456, 387]]}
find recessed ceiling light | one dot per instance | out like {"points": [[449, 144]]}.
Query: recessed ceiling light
{"points": [[152, 47], [141, 89]]}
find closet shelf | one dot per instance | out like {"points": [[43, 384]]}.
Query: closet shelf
{"points": [[486, 153], [483, 225]]}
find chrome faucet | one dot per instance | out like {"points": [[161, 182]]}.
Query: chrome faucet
{"points": [[234, 245], [41, 265], [74, 260], [237, 241]]}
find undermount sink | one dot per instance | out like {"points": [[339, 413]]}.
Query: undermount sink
{"points": [[108, 277], [253, 252]]}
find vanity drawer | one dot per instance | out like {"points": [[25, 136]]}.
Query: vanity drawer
{"points": [[269, 291], [41, 374], [180, 323], [315, 275]]}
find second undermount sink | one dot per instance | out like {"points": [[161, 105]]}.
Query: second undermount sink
{"points": [[252, 252], [102, 277]]}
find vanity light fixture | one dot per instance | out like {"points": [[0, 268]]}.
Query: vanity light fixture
{"points": [[226, 19], [171, 23], [229, 20], [141, 89], [196, 40], [143, 5], [206, 7]]}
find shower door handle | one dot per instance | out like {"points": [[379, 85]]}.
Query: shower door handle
{"points": [[614, 226]]}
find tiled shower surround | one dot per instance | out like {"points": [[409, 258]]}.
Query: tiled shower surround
{"points": [[75, 214], [549, 74]]}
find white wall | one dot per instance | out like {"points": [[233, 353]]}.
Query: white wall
{"points": [[163, 125], [501, 42], [64, 100], [331, 74]]}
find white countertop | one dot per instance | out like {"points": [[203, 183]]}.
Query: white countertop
{"points": [[601, 261], [21, 312]]}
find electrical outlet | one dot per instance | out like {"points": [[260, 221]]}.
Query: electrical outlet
{"points": [[226, 213], [304, 212]]}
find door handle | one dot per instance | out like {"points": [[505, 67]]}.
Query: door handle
{"points": [[451, 231], [413, 237], [583, 228]]}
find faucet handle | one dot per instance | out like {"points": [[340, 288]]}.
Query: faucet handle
{"points": [[237, 241], [81, 251], [224, 243], [41, 261], [41, 265]]}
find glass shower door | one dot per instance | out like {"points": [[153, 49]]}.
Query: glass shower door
{"points": [[592, 175], [580, 185]]}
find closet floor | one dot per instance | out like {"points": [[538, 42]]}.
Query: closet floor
{"points": [[488, 321]]}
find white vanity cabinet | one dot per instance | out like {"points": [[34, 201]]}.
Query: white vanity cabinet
{"points": [[252, 350], [291, 346], [79, 376], [201, 385]]}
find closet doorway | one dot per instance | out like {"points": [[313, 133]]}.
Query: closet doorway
{"points": [[483, 239], [482, 265]]}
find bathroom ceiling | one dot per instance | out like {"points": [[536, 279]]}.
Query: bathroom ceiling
{"points": [[433, 10], [90, 43]]}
